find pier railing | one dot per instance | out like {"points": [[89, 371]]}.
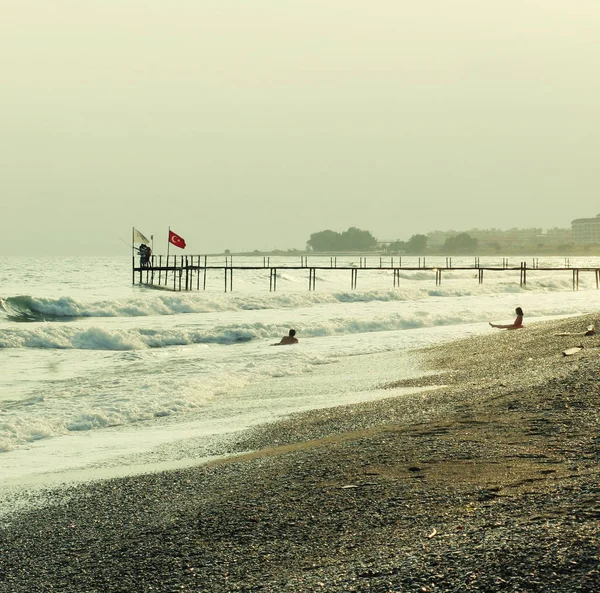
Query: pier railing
{"points": [[189, 272]]}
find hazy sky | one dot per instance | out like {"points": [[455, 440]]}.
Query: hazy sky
{"points": [[251, 124]]}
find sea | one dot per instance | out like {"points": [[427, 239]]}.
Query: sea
{"points": [[103, 378]]}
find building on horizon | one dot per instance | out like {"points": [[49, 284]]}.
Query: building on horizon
{"points": [[514, 237], [586, 230]]}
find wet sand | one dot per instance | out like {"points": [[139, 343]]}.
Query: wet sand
{"points": [[487, 483]]}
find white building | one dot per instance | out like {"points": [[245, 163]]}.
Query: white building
{"points": [[586, 230]]}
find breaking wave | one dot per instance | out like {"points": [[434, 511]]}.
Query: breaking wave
{"points": [[76, 336], [25, 308]]}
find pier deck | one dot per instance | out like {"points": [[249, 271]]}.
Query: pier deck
{"points": [[187, 273]]}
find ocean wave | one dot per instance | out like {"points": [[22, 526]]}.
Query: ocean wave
{"points": [[74, 336], [26, 308]]}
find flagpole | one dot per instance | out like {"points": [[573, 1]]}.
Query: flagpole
{"points": [[133, 253], [168, 243]]}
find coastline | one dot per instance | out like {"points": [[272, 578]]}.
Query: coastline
{"points": [[487, 483]]}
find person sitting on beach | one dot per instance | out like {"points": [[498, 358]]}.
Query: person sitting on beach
{"points": [[517, 324], [289, 339]]}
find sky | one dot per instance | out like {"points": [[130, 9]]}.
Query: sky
{"points": [[249, 125]]}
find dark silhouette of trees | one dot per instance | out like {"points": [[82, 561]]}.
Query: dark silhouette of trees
{"points": [[416, 244], [353, 239], [461, 243], [396, 246], [356, 240], [324, 241]]}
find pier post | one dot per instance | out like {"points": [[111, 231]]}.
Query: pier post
{"points": [[480, 272], [204, 285], [523, 273], [521, 277], [312, 278], [597, 279]]}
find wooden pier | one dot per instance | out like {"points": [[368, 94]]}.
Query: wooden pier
{"points": [[189, 272]]}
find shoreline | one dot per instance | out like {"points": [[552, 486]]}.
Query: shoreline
{"points": [[190, 445], [427, 492]]}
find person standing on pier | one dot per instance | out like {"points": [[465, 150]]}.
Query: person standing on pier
{"points": [[517, 324], [289, 339], [145, 253]]}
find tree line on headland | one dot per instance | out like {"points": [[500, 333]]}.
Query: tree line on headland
{"points": [[493, 241], [355, 239]]}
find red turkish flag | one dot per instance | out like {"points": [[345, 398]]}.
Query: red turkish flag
{"points": [[176, 240]]}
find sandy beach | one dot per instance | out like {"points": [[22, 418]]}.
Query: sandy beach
{"points": [[489, 482]]}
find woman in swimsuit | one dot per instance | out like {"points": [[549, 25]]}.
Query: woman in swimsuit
{"points": [[517, 324]]}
